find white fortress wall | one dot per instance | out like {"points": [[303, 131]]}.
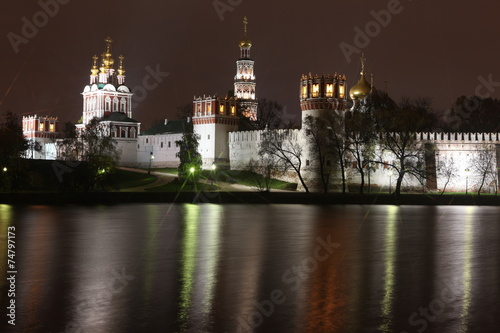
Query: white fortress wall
{"points": [[162, 146], [455, 152], [128, 151], [243, 147], [461, 153]]}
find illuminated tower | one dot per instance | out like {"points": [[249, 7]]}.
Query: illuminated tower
{"points": [[213, 119], [320, 95], [244, 81], [323, 100], [106, 92], [108, 99]]}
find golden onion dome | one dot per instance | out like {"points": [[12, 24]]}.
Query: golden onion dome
{"points": [[245, 42], [361, 89]]}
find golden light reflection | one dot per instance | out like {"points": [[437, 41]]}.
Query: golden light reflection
{"points": [[389, 273], [189, 241], [212, 248], [467, 274]]}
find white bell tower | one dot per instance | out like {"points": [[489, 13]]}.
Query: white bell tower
{"points": [[244, 81]]}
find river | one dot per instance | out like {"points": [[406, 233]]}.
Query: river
{"points": [[252, 268]]}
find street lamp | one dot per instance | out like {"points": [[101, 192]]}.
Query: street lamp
{"points": [[151, 158], [467, 181], [4, 169], [214, 167]]}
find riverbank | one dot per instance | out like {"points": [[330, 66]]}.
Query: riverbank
{"points": [[244, 198]]}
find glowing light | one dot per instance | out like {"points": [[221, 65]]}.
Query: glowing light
{"points": [[467, 275], [214, 166], [329, 90], [191, 170], [315, 90], [189, 243], [389, 276], [341, 91], [4, 169]]}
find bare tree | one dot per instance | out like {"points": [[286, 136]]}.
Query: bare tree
{"points": [[184, 111], [484, 166], [447, 169], [270, 115], [285, 147], [264, 171], [318, 135], [398, 137], [360, 142]]}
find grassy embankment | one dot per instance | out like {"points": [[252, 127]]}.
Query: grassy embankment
{"points": [[241, 177]]}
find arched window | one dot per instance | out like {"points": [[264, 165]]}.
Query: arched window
{"points": [[113, 131], [124, 132], [329, 90], [133, 132], [115, 104], [315, 90], [341, 91], [108, 104]]}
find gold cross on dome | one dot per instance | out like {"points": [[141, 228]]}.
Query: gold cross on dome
{"points": [[108, 41], [363, 61], [245, 23]]}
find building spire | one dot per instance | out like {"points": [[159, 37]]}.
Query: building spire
{"points": [[245, 43], [363, 63], [108, 41], [245, 23], [94, 69], [107, 59], [121, 70]]}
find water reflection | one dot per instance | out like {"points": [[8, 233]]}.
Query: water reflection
{"points": [[389, 272], [214, 268], [188, 261], [468, 254], [198, 272]]}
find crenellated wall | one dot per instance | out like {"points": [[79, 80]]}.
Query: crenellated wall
{"points": [[162, 146]]}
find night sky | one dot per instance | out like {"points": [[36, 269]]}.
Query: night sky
{"points": [[430, 48]]}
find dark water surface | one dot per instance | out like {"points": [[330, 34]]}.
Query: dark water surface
{"points": [[262, 268]]}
